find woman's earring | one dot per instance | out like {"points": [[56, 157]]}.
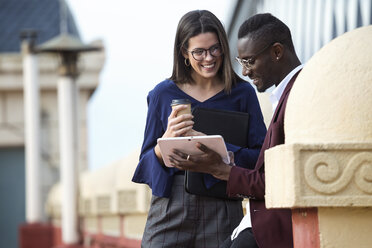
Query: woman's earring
{"points": [[187, 62]]}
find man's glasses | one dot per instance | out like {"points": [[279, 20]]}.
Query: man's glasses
{"points": [[248, 63], [200, 54]]}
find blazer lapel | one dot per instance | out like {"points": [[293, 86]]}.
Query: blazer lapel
{"points": [[267, 142], [283, 97]]}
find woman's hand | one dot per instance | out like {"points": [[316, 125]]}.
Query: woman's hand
{"points": [[177, 126], [192, 132]]}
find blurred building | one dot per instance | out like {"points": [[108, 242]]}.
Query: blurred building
{"points": [[112, 209], [46, 18], [313, 23]]}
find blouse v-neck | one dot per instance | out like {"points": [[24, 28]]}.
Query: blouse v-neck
{"points": [[196, 100]]}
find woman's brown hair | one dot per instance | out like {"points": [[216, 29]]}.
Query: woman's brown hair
{"points": [[192, 24]]}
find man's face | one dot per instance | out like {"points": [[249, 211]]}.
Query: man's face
{"points": [[257, 62]]}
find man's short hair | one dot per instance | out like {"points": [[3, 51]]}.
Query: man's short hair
{"points": [[266, 28]]}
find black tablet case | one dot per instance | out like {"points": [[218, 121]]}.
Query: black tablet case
{"points": [[233, 127]]}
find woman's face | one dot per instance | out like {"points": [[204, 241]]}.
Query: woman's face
{"points": [[205, 55]]}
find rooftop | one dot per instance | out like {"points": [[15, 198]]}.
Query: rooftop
{"points": [[43, 16]]}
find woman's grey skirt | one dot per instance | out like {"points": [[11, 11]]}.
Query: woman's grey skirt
{"points": [[189, 221]]}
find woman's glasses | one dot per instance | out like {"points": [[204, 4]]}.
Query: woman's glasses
{"points": [[200, 54]]}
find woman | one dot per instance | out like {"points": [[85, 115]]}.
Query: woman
{"points": [[202, 73]]}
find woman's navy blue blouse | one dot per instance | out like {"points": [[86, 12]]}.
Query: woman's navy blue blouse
{"points": [[242, 98]]}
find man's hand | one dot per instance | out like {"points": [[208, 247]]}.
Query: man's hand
{"points": [[209, 162]]}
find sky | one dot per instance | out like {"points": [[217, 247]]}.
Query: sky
{"points": [[138, 37]]}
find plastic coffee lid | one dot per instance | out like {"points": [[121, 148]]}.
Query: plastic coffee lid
{"points": [[180, 101]]}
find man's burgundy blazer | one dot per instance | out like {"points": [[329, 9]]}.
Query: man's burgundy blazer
{"points": [[271, 228]]}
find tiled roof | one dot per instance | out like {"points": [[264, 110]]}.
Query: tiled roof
{"points": [[40, 15]]}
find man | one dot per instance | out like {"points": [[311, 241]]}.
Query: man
{"points": [[268, 57]]}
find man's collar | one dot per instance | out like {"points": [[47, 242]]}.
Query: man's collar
{"points": [[278, 91]]}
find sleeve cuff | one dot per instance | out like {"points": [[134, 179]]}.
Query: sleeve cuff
{"points": [[233, 148]]}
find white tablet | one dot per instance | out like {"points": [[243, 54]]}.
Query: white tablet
{"points": [[188, 146]]}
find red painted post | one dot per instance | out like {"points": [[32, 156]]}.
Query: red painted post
{"points": [[36, 235], [305, 227]]}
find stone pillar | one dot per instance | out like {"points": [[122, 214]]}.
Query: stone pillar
{"points": [[323, 172], [68, 48], [32, 133], [67, 101], [33, 233]]}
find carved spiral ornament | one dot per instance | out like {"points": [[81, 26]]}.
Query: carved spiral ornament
{"points": [[324, 174]]}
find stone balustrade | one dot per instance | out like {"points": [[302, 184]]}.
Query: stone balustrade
{"points": [[112, 209]]}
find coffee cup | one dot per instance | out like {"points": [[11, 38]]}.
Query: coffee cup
{"points": [[176, 102]]}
